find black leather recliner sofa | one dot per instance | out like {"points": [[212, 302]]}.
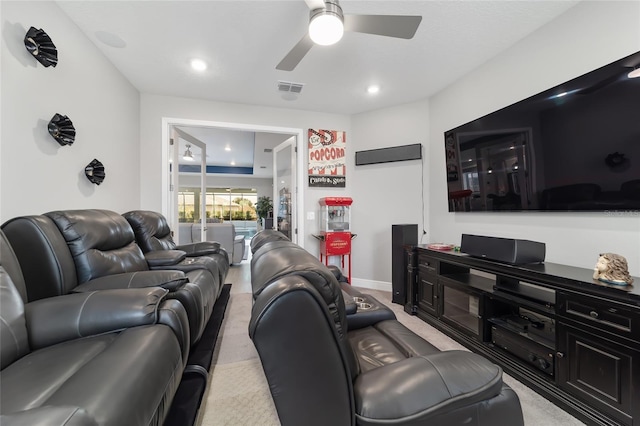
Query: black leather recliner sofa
{"points": [[153, 234], [112, 357], [69, 251], [320, 372]]}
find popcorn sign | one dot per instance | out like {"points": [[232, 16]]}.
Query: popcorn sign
{"points": [[327, 158]]}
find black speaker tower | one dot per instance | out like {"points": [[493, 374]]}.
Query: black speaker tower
{"points": [[401, 235]]}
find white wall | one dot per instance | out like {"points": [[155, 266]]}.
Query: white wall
{"points": [[388, 193], [37, 174], [153, 108], [586, 37]]}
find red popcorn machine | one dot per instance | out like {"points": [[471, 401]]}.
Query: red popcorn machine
{"points": [[335, 236]]}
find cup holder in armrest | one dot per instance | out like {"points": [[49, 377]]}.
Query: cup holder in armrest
{"points": [[369, 311], [363, 305]]}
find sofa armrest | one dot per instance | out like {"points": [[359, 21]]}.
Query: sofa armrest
{"points": [[49, 415], [423, 387], [164, 257], [173, 314], [72, 316], [370, 311], [200, 249], [350, 306], [172, 280]]}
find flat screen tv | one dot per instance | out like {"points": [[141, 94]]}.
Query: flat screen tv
{"points": [[574, 147]]}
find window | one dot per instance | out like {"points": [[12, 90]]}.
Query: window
{"points": [[222, 204]]}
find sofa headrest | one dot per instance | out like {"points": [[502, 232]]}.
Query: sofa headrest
{"points": [[11, 266], [151, 230], [278, 259], [46, 262], [263, 237], [100, 241]]}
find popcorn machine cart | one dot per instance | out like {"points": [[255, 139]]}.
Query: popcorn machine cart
{"points": [[335, 236]]}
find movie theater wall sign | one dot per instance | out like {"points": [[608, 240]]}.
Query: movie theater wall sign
{"points": [[327, 168]]}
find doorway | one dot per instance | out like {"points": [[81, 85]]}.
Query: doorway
{"points": [[212, 179]]}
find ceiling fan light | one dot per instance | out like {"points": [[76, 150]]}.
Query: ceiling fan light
{"points": [[326, 28]]}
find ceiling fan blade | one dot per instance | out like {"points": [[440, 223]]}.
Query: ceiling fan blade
{"points": [[296, 54], [315, 4], [385, 25]]}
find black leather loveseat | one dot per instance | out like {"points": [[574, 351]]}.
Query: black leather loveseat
{"points": [[111, 357], [321, 372]]}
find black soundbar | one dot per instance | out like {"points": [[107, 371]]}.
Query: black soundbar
{"points": [[388, 155], [509, 250]]}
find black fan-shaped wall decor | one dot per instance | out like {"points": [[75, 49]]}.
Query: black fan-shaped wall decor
{"points": [[95, 172], [62, 130], [39, 44]]}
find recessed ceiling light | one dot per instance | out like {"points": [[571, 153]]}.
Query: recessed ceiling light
{"points": [[373, 89], [198, 64], [233, 163], [227, 148]]}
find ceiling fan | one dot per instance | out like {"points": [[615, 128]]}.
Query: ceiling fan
{"points": [[327, 24]]}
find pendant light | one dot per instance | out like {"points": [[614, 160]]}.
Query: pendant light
{"points": [[188, 155]]}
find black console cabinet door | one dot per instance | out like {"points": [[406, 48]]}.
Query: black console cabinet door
{"points": [[601, 372], [428, 294]]}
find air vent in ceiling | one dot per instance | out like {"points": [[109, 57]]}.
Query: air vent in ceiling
{"points": [[288, 86]]}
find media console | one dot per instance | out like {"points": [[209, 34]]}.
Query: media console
{"points": [[572, 339]]}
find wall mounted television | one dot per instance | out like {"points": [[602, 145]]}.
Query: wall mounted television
{"points": [[574, 147]]}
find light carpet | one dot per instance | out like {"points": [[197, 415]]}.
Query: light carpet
{"points": [[238, 393]]}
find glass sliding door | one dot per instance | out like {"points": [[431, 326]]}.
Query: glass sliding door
{"points": [[235, 205], [187, 186], [284, 188]]}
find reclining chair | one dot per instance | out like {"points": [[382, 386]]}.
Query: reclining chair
{"points": [[111, 357], [153, 233], [225, 234], [86, 250], [320, 372]]}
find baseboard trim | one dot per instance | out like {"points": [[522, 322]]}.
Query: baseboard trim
{"points": [[372, 284]]}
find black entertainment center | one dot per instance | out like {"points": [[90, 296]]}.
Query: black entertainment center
{"points": [[572, 339]]}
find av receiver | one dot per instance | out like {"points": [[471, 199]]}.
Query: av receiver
{"points": [[537, 355]]}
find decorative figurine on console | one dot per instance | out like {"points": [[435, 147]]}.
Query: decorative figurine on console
{"points": [[612, 269]]}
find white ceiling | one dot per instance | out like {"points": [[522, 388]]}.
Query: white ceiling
{"points": [[243, 41], [245, 148]]}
